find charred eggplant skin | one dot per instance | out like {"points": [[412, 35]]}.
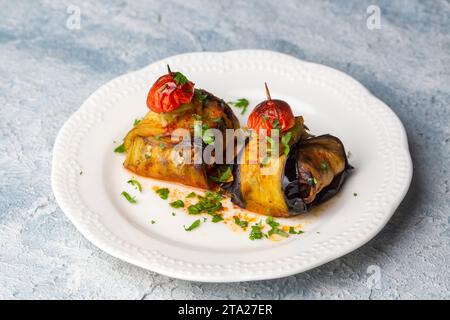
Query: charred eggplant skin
{"points": [[293, 194], [293, 191]]}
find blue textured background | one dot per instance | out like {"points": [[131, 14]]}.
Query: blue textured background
{"points": [[48, 70]]}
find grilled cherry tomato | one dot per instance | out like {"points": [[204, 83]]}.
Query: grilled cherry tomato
{"points": [[271, 114], [169, 92]]}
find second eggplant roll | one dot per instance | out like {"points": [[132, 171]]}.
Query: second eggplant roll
{"points": [[310, 173]]}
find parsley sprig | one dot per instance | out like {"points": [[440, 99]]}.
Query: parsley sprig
{"points": [[222, 176], [241, 103], [177, 204], [129, 198], [136, 184], [180, 78], [194, 225], [275, 228], [163, 193], [285, 142], [120, 149], [241, 223], [256, 232], [210, 203]]}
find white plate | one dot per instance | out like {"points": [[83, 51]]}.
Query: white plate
{"points": [[330, 101]]}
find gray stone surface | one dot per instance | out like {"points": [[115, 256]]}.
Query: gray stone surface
{"points": [[48, 70]]}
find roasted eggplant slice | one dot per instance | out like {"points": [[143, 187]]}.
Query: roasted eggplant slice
{"points": [[311, 173], [150, 149]]}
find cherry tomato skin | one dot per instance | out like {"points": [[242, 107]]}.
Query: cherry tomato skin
{"points": [[166, 96], [271, 114]]}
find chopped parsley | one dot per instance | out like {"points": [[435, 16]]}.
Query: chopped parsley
{"points": [[256, 232], [210, 203], [355, 194], [208, 137], [180, 78], [241, 103], [128, 197], [223, 176], [201, 130], [324, 166], [217, 218], [174, 214], [285, 142], [120, 149], [241, 223], [191, 195], [136, 122], [147, 156], [194, 225], [275, 228], [292, 231], [272, 143], [162, 145], [136, 184], [201, 95], [177, 204], [163, 193], [276, 124]]}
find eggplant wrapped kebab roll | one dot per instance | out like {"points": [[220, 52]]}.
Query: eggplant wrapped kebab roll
{"points": [[175, 104], [306, 171]]}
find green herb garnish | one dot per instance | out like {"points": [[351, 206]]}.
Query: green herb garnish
{"points": [[120, 149], [136, 122], [177, 204], [217, 218], [276, 124], [240, 223], [292, 231], [128, 197], [194, 225], [180, 78], [210, 203], [153, 221], [208, 137], [223, 176], [201, 96], [173, 213], [324, 166], [163, 193], [355, 194], [256, 232], [275, 230], [240, 103], [191, 195], [285, 142], [136, 184]]}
